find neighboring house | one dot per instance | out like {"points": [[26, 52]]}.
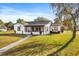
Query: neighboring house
{"points": [[35, 28], [77, 27], [55, 27], [3, 28]]}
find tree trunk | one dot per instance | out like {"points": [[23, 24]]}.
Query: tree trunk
{"points": [[72, 38]]}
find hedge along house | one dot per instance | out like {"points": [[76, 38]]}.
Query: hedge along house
{"points": [[34, 28]]}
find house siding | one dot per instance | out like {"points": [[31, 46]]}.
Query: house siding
{"points": [[47, 28], [21, 28]]}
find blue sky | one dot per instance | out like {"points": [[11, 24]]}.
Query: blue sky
{"points": [[26, 11]]}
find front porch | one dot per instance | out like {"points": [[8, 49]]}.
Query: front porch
{"points": [[34, 30]]}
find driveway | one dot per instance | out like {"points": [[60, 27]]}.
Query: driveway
{"points": [[6, 48]]}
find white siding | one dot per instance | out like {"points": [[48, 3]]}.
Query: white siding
{"points": [[56, 28], [47, 28], [21, 28]]}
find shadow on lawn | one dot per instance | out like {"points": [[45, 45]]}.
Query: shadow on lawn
{"points": [[31, 48]]}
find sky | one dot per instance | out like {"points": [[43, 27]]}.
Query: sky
{"points": [[26, 11]]}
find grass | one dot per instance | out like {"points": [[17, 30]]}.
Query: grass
{"points": [[9, 37], [72, 49], [44, 45], [7, 32]]}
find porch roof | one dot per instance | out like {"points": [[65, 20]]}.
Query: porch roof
{"points": [[35, 23]]}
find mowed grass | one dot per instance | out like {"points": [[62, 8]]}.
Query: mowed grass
{"points": [[8, 37], [72, 49], [44, 45], [7, 32]]}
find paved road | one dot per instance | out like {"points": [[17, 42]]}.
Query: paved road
{"points": [[6, 48]]}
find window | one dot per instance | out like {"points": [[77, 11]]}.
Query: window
{"points": [[25, 29], [19, 28], [46, 28]]}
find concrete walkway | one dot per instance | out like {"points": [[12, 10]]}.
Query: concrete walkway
{"points": [[6, 48]]}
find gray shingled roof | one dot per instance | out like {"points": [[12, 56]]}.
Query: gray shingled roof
{"points": [[35, 23]]}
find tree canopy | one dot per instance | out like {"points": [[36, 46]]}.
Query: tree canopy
{"points": [[57, 21], [64, 11], [41, 19], [67, 23], [9, 25], [1, 22], [20, 21]]}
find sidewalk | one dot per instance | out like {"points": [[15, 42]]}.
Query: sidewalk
{"points": [[6, 48]]}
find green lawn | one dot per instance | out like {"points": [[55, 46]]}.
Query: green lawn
{"points": [[8, 37], [7, 32], [44, 45]]}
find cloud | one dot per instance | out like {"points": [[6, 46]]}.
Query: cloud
{"points": [[11, 14]]}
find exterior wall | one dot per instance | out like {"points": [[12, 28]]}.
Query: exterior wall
{"points": [[34, 33], [29, 31], [21, 28], [47, 28], [77, 27], [56, 28]]}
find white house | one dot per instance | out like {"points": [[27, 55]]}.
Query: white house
{"points": [[34, 28], [3, 28], [56, 27]]}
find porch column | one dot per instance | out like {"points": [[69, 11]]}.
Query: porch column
{"points": [[44, 30], [34, 29]]}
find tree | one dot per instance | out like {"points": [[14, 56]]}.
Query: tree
{"points": [[1, 22], [41, 19], [67, 10], [9, 25], [57, 21], [20, 21], [67, 24]]}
